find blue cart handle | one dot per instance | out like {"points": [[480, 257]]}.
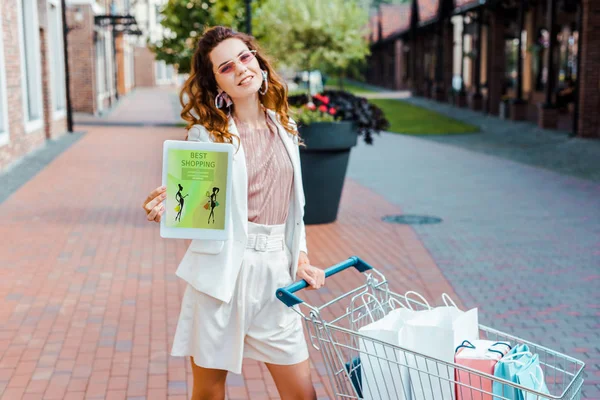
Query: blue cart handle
{"points": [[289, 299]]}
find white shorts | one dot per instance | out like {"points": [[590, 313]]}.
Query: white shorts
{"points": [[254, 324]]}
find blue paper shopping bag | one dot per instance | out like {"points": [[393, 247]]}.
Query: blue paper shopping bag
{"points": [[522, 367]]}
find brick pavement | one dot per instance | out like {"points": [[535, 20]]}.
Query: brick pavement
{"points": [[520, 242], [143, 106], [88, 296]]}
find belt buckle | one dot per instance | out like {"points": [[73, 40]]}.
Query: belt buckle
{"points": [[261, 243]]}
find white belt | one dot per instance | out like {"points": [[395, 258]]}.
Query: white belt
{"points": [[262, 242]]}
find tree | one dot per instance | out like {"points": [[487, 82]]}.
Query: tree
{"points": [[232, 13], [185, 20], [326, 34]]}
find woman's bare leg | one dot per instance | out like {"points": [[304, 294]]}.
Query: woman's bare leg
{"points": [[209, 384], [293, 381]]}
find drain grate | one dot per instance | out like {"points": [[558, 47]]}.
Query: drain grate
{"points": [[411, 219]]}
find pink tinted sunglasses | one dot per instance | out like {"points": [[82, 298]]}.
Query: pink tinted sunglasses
{"points": [[244, 58]]}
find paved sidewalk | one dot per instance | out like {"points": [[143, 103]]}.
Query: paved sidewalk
{"points": [[152, 106], [523, 142], [521, 243], [88, 296]]}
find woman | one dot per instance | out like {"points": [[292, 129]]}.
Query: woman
{"points": [[229, 310]]}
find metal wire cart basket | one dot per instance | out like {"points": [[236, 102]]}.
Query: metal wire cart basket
{"points": [[360, 367]]}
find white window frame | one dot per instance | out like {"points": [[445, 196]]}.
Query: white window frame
{"points": [[36, 124], [56, 52], [5, 128]]}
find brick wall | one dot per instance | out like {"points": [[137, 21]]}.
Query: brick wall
{"points": [[20, 143], [144, 67], [589, 97], [82, 60]]}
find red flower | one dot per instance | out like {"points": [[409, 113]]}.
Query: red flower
{"points": [[325, 99], [332, 111], [311, 106], [323, 108]]}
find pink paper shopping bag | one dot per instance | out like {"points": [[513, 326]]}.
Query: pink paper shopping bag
{"points": [[480, 355]]}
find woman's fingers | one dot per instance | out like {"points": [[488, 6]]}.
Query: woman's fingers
{"points": [[155, 212], [321, 277], [159, 190], [304, 274], [316, 277], [159, 215], [153, 201]]}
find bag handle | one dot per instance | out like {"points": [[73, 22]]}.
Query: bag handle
{"points": [[377, 302], [465, 344], [395, 300], [447, 299], [468, 345], [510, 359], [498, 351], [417, 295], [536, 380]]}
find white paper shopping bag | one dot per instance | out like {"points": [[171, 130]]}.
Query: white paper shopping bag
{"points": [[384, 372], [435, 333]]}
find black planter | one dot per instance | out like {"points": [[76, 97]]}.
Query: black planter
{"points": [[324, 163]]}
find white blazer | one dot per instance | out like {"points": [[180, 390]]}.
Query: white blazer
{"points": [[212, 266]]}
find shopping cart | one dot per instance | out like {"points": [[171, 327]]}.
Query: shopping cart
{"points": [[360, 367]]}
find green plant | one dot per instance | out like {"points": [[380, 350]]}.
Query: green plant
{"points": [[306, 115], [329, 35], [367, 118]]}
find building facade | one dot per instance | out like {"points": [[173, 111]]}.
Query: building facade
{"points": [[149, 71], [101, 43], [32, 78], [525, 60]]}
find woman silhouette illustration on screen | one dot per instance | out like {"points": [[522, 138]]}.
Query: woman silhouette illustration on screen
{"points": [[213, 204], [180, 200]]}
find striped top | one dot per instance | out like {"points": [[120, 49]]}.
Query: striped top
{"points": [[270, 174]]}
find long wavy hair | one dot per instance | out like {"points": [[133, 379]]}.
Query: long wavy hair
{"points": [[198, 93]]}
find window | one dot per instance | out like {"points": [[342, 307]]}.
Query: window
{"points": [[30, 65], [100, 66], [57, 60], [3, 92]]}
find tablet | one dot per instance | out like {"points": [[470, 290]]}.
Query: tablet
{"points": [[197, 176]]}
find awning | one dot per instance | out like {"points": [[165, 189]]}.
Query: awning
{"points": [[121, 23]]}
